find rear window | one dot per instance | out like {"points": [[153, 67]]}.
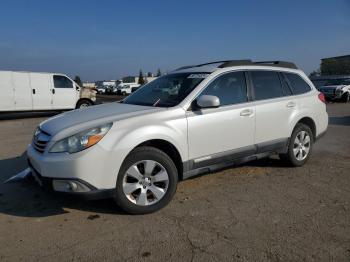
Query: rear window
{"points": [[266, 84], [298, 84]]}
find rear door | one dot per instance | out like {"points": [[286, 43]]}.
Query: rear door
{"points": [[41, 91], [65, 93], [23, 91], [275, 107], [7, 92]]}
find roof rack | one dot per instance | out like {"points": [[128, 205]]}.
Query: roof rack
{"points": [[278, 64], [199, 65], [229, 63]]}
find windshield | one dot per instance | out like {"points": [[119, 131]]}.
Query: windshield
{"points": [[344, 81], [166, 91]]}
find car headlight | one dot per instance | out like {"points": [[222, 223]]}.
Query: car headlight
{"points": [[82, 140]]}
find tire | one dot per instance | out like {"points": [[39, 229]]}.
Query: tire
{"points": [[298, 153], [139, 191], [123, 93], [83, 103], [346, 98]]}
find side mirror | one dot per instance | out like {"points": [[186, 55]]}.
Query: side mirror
{"points": [[207, 101]]}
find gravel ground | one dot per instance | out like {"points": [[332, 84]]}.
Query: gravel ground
{"points": [[261, 211]]}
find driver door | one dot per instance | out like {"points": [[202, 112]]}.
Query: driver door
{"points": [[223, 133], [64, 93]]}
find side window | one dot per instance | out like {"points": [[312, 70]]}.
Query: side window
{"points": [[298, 85], [266, 85], [230, 88], [62, 82]]}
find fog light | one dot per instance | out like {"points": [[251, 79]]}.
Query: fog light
{"points": [[69, 186]]}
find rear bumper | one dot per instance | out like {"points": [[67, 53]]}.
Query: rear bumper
{"points": [[47, 184]]}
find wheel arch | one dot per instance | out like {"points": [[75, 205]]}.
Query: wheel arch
{"points": [[83, 99], [168, 148], [306, 120]]}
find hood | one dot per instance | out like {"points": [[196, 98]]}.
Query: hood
{"points": [[78, 120]]}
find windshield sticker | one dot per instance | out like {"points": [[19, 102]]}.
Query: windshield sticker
{"points": [[197, 75]]}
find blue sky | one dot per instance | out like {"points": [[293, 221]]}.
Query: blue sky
{"points": [[109, 39]]}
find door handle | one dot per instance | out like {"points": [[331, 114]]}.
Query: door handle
{"points": [[53, 91], [33, 90], [291, 104], [246, 112]]}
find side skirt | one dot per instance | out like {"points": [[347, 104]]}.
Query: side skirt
{"points": [[223, 160]]}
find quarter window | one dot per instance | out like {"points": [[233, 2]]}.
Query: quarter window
{"points": [[230, 88], [266, 84], [298, 85], [62, 82]]}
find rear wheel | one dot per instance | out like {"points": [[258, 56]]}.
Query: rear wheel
{"points": [[300, 146], [146, 182]]}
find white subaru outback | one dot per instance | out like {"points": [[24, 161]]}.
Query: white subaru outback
{"points": [[194, 120]]}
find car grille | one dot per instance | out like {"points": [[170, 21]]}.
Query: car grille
{"points": [[40, 140]]}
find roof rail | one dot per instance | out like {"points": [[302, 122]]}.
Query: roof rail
{"points": [[278, 64], [229, 63], [236, 63], [199, 65]]}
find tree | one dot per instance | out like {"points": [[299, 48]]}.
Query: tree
{"points": [[315, 73], [78, 81], [159, 73], [149, 74], [141, 78]]}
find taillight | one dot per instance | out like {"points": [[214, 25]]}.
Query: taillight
{"points": [[322, 97]]}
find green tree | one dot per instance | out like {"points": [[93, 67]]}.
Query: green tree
{"points": [[78, 81], [141, 78], [315, 73], [159, 73]]}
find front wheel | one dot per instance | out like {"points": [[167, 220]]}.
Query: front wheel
{"points": [[83, 104], [300, 146], [146, 182], [346, 97]]}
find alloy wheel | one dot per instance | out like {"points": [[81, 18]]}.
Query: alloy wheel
{"points": [[301, 145], [145, 182]]}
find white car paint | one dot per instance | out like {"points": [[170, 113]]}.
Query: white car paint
{"points": [[126, 88], [196, 136]]}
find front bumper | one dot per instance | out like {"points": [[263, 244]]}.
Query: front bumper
{"points": [[97, 166], [48, 184]]}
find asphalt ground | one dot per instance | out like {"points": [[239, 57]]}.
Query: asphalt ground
{"points": [[260, 211]]}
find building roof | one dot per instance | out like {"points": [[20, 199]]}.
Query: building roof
{"points": [[337, 57]]}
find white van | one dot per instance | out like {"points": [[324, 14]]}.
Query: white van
{"points": [[29, 91]]}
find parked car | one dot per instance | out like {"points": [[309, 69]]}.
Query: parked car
{"points": [[101, 90], [126, 88], [223, 113], [135, 88], [337, 89], [29, 91]]}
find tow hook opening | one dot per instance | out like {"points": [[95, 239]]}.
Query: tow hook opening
{"points": [[69, 186]]}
